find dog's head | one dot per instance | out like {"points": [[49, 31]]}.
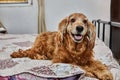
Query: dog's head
{"points": [[78, 27]]}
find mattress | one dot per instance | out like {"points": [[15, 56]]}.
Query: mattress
{"points": [[27, 69]]}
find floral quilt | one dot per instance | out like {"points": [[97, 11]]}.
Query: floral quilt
{"points": [[27, 69]]}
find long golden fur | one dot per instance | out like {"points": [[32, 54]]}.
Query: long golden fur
{"points": [[73, 43]]}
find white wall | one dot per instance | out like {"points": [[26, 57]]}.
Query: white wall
{"points": [[20, 19], [58, 9], [25, 19]]}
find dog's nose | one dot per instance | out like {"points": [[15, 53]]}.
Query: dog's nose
{"points": [[79, 28]]}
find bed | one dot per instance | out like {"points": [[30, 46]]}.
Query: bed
{"points": [[27, 69]]}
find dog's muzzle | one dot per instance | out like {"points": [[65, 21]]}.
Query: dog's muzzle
{"points": [[78, 35]]}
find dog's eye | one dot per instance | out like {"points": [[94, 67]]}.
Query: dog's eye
{"points": [[85, 21], [72, 20]]}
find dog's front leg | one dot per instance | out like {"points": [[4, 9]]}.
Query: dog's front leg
{"points": [[99, 70]]}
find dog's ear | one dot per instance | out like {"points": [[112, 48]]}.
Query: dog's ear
{"points": [[62, 29], [91, 35]]}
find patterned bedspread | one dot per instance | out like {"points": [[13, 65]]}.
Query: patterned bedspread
{"points": [[27, 69]]}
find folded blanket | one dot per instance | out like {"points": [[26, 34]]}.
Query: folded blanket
{"points": [[42, 68]]}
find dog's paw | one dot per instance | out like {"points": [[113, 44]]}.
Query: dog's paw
{"points": [[13, 55], [106, 75], [17, 54]]}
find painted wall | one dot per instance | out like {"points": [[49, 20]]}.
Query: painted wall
{"points": [[20, 19]]}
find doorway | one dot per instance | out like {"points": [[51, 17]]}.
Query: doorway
{"points": [[115, 17]]}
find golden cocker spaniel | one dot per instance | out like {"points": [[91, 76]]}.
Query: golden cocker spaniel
{"points": [[73, 43]]}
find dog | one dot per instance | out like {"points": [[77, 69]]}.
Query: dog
{"points": [[73, 43]]}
